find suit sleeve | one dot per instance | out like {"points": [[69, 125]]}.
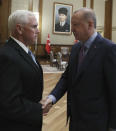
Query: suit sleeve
{"points": [[13, 104], [61, 86], [110, 76], [64, 83]]}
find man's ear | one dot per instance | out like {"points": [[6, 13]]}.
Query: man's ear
{"points": [[19, 28], [91, 24]]}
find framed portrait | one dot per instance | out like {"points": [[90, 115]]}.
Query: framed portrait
{"points": [[62, 18]]}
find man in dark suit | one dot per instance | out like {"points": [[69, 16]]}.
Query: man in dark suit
{"points": [[91, 83], [62, 25], [21, 77]]}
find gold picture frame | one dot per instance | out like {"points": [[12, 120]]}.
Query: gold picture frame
{"points": [[62, 14]]}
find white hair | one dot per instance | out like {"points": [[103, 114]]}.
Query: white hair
{"points": [[18, 17], [88, 14]]}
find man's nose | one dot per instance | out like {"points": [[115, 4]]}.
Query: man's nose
{"points": [[38, 31]]}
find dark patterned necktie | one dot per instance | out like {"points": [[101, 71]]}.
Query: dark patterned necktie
{"points": [[81, 55]]}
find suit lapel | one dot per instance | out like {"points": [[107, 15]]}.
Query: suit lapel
{"points": [[22, 53], [75, 61], [28, 59], [88, 59]]}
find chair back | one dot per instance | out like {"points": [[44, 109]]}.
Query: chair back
{"points": [[65, 50], [52, 59], [51, 56], [59, 58]]}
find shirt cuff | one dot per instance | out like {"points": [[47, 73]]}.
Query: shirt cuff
{"points": [[53, 98]]}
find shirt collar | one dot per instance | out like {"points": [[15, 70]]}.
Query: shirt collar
{"points": [[20, 44], [62, 23], [90, 40], [88, 43]]}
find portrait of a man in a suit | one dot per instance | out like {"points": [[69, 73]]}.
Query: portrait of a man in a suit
{"points": [[62, 25]]}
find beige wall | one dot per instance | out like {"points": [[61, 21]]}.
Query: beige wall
{"points": [[114, 22], [99, 8]]}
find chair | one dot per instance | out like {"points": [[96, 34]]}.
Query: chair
{"points": [[53, 61], [61, 64], [65, 53], [65, 50]]}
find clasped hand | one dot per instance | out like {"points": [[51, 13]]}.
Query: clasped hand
{"points": [[46, 105]]}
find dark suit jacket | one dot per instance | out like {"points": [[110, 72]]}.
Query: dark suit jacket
{"points": [[21, 86], [91, 91], [65, 28]]}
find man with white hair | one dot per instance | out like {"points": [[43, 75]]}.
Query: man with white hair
{"points": [[21, 76]]}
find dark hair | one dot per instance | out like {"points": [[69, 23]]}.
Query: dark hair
{"points": [[63, 11]]}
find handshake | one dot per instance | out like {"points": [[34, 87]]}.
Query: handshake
{"points": [[46, 105]]}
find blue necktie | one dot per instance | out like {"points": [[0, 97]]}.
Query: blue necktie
{"points": [[32, 56]]}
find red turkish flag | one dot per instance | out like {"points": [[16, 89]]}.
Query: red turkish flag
{"points": [[48, 48]]}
